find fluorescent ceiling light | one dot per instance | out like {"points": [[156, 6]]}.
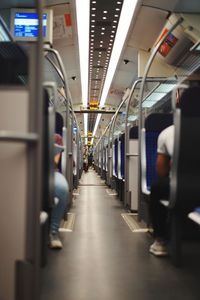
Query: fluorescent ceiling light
{"points": [[155, 97], [125, 19], [152, 99], [158, 94], [95, 127], [132, 118], [83, 17], [117, 132], [127, 12], [165, 87], [85, 127], [148, 104]]}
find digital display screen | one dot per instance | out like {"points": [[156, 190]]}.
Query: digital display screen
{"points": [[26, 25]]}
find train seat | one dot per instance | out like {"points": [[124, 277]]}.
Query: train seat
{"points": [[132, 158], [154, 124], [185, 171]]}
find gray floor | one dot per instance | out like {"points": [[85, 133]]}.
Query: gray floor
{"points": [[103, 260]]}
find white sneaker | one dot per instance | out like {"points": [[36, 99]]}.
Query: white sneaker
{"points": [[54, 241], [158, 248]]}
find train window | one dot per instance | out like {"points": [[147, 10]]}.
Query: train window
{"points": [[3, 35]]}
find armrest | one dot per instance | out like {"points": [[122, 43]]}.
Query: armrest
{"points": [[165, 203], [143, 164], [194, 216]]}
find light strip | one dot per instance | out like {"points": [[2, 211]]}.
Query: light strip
{"points": [[85, 127], [83, 17], [95, 127], [126, 16]]}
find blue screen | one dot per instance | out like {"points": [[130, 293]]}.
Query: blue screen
{"points": [[26, 24]]}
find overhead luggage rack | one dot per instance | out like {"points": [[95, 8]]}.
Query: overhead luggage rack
{"points": [[14, 64], [11, 51]]}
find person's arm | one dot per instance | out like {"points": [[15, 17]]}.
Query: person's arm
{"points": [[163, 165], [57, 159]]}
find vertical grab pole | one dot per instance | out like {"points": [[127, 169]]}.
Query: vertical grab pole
{"points": [[39, 129], [109, 155], [146, 71], [35, 180], [127, 141]]}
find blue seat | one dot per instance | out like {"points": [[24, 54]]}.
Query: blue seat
{"points": [[154, 124], [116, 157], [133, 133], [185, 171], [122, 152], [59, 123]]}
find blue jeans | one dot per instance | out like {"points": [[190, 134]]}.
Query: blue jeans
{"points": [[61, 192]]}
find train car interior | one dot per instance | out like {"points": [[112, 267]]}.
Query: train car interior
{"points": [[99, 149]]}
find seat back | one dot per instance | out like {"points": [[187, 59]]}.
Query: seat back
{"points": [[115, 157], [154, 124], [122, 154], [59, 123], [185, 173], [48, 154], [133, 133], [132, 167], [59, 129]]}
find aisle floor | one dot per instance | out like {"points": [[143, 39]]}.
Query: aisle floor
{"points": [[103, 260]]}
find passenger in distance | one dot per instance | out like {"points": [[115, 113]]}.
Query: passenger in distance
{"points": [[61, 192]]}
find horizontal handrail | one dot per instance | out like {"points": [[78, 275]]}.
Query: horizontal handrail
{"points": [[132, 154], [19, 137]]}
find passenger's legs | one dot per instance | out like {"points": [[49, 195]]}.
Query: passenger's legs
{"points": [[159, 191], [61, 191]]}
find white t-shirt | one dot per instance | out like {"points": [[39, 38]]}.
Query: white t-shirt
{"points": [[166, 141]]}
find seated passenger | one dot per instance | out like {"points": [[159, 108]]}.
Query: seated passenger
{"points": [[160, 189], [61, 191]]}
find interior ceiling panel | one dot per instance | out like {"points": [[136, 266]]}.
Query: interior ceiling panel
{"points": [[16, 3], [104, 18], [68, 49], [168, 5], [192, 6], [155, 20], [27, 3], [56, 2]]}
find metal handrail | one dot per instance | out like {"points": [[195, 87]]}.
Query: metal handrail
{"points": [[12, 136]]}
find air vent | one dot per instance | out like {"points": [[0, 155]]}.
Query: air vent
{"points": [[100, 49], [103, 23], [98, 67]]}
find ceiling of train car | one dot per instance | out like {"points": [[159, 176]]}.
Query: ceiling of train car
{"points": [[192, 6], [104, 18], [187, 6], [27, 3], [102, 36], [16, 3]]}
